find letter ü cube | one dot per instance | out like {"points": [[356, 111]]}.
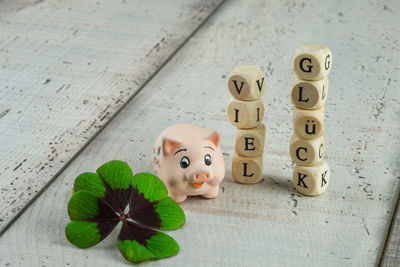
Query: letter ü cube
{"points": [[312, 64], [247, 85]]}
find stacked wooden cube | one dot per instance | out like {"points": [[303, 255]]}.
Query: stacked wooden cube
{"points": [[312, 64], [246, 111]]}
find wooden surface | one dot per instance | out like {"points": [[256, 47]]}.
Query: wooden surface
{"points": [[267, 223], [66, 68], [391, 255]]}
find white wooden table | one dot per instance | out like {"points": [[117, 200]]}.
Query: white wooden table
{"points": [[84, 82]]}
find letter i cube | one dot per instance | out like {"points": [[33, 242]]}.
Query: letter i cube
{"points": [[247, 85], [312, 64]]}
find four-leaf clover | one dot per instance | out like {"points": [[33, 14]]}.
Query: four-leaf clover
{"points": [[99, 203]]}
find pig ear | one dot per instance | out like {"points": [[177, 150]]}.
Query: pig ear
{"points": [[214, 138], [170, 145]]}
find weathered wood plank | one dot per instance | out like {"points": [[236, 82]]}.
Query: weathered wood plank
{"points": [[268, 223], [66, 68], [391, 256]]}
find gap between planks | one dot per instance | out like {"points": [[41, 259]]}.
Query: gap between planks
{"points": [[392, 240], [112, 117]]}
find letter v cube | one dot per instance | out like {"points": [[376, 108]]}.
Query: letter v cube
{"points": [[247, 83]]}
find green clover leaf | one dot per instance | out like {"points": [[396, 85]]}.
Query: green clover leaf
{"points": [[98, 205]]}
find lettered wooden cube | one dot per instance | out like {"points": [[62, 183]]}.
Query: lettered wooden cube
{"points": [[247, 83], [312, 62], [307, 152], [250, 142], [308, 124], [309, 94], [245, 114], [247, 170], [311, 180]]}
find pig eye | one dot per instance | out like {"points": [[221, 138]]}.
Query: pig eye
{"points": [[184, 162], [207, 160]]}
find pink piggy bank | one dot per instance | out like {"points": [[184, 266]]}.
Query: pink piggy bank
{"points": [[189, 160]]}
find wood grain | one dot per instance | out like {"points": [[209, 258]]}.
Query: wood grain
{"points": [[67, 67], [391, 256], [267, 223]]}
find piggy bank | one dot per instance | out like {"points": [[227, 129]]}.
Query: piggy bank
{"points": [[189, 160]]}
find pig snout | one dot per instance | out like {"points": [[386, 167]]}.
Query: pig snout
{"points": [[202, 176], [197, 177]]}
